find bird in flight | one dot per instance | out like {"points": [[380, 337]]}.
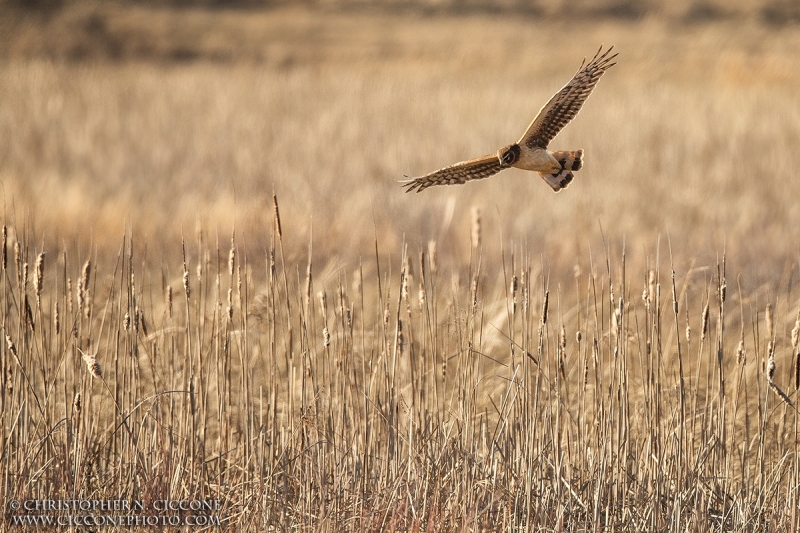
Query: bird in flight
{"points": [[530, 152]]}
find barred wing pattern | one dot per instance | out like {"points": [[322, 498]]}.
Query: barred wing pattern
{"points": [[566, 103], [474, 169]]}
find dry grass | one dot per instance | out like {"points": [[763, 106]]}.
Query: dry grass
{"points": [[620, 356]]}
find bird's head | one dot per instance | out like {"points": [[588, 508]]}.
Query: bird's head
{"points": [[508, 155]]}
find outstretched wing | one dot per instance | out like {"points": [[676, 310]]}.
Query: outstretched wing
{"points": [[566, 103], [474, 169]]}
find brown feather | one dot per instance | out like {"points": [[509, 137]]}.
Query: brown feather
{"points": [[474, 169], [566, 103]]}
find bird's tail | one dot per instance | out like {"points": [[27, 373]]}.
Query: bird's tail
{"points": [[570, 161]]}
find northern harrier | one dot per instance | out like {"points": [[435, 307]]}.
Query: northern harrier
{"points": [[530, 152]]}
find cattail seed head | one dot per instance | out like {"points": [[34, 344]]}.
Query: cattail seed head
{"points": [[277, 215], [18, 259], [768, 318], [432, 256], [326, 337], [92, 365], [476, 228], [474, 292], [308, 286], [322, 298], [740, 353], [704, 331], [4, 248], [585, 373], [771, 367], [126, 322], [513, 290], [401, 341], [562, 339], [797, 370], [83, 288], [69, 296], [77, 404], [578, 336], [56, 320], [523, 281], [544, 307], [231, 258], [39, 281], [186, 287], [10, 344], [688, 334], [168, 297], [86, 272], [271, 264], [229, 309], [674, 295]]}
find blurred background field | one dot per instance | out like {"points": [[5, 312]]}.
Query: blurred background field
{"points": [[384, 361], [169, 116]]}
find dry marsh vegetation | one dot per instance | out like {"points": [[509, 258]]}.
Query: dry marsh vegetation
{"points": [[621, 356]]}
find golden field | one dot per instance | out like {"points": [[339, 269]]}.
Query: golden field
{"points": [[620, 356]]}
